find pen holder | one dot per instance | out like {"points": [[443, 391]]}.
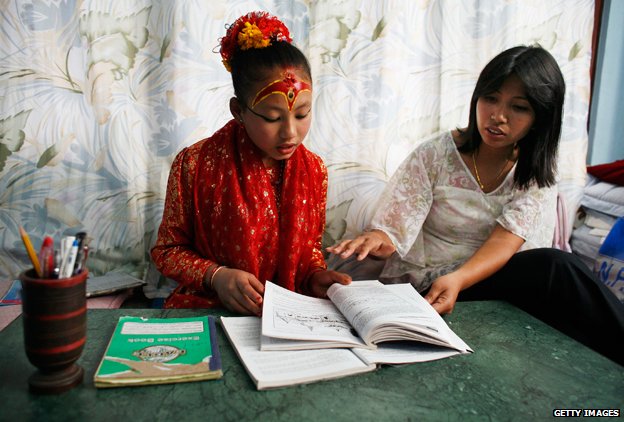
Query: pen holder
{"points": [[55, 328]]}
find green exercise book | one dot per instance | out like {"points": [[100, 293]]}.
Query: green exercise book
{"points": [[145, 351]]}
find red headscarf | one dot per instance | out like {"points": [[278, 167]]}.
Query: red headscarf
{"points": [[238, 222]]}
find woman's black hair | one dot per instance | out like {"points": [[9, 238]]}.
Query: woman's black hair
{"points": [[545, 90], [253, 65]]}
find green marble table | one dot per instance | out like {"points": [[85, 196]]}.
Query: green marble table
{"points": [[521, 370]]}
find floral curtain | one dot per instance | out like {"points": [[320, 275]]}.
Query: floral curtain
{"points": [[97, 96]]}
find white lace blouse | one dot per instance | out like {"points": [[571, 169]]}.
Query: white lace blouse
{"points": [[437, 216]]}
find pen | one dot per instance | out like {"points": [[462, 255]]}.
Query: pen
{"points": [[31, 252], [81, 238], [85, 255], [56, 271]]}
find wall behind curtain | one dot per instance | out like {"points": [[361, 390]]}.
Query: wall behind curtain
{"points": [[97, 97], [607, 109]]}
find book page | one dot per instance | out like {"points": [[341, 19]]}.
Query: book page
{"points": [[391, 312], [271, 369], [397, 353], [274, 343], [292, 316]]}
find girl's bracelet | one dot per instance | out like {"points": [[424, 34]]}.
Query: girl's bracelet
{"points": [[212, 276], [207, 281]]}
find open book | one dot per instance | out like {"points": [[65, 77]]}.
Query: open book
{"points": [[362, 314], [336, 351], [280, 369], [111, 282]]}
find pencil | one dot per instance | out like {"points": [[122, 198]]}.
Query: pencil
{"points": [[31, 251]]}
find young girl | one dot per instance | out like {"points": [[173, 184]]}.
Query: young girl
{"points": [[471, 214], [248, 204]]}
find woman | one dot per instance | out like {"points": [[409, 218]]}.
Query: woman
{"points": [[471, 214], [248, 204]]}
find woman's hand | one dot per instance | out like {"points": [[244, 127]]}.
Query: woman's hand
{"points": [[443, 293], [489, 258], [239, 291], [321, 280], [375, 243]]}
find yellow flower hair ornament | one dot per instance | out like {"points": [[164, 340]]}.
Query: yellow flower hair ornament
{"points": [[253, 30]]}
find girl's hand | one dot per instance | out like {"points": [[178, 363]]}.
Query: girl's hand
{"points": [[375, 243], [443, 293], [239, 291], [321, 280]]}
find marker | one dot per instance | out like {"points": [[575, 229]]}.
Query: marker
{"points": [[68, 269], [31, 251], [46, 257], [66, 245]]}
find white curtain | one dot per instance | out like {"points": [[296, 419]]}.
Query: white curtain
{"points": [[96, 98]]}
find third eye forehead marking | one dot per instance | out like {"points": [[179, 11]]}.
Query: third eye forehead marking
{"points": [[290, 87]]}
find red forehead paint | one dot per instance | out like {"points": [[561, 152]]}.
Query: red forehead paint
{"points": [[290, 87]]}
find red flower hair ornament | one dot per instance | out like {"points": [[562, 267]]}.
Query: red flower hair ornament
{"points": [[253, 30]]}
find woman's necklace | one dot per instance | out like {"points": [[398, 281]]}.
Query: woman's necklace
{"points": [[481, 185]]}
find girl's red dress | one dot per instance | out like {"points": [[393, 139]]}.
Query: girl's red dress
{"points": [[221, 207]]}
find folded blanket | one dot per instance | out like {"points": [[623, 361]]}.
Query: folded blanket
{"points": [[585, 245], [604, 197], [597, 220]]}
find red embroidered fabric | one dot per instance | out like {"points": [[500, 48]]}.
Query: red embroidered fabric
{"points": [[221, 208]]}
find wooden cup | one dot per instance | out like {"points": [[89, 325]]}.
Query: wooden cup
{"points": [[55, 329]]}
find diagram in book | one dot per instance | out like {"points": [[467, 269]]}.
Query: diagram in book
{"points": [[310, 321]]}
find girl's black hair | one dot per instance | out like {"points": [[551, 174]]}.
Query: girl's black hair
{"points": [[253, 65], [545, 90]]}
